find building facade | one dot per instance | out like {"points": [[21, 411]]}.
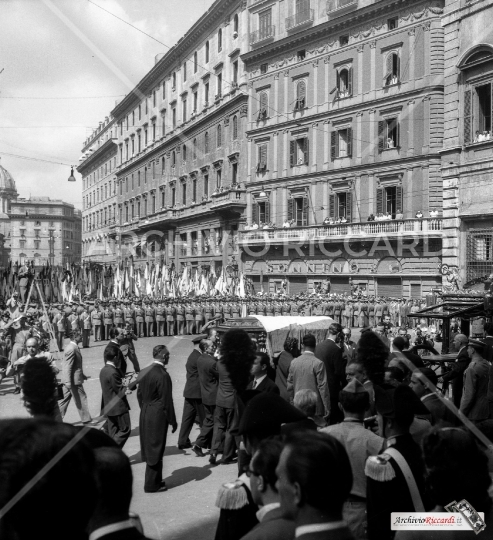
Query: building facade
{"points": [[8, 193], [345, 123], [181, 168], [45, 230], [99, 199], [467, 157]]}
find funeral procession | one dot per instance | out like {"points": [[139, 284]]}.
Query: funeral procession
{"points": [[246, 269]]}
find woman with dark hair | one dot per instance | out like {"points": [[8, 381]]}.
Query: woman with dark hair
{"points": [[283, 362], [456, 469], [373, 354], [39, 388]]}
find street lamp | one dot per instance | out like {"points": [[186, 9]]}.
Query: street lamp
{"points": [[71, 178]]}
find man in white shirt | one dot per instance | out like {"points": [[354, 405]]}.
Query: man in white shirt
{"points": [[261, 382], [308, 466]]}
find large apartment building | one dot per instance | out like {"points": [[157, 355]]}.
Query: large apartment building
{"points": [[180, 133], [345, 124]]}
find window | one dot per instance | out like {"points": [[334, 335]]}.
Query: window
{"points": [[265, 25], [173, 112], [388, 134], [184, 104], [173, 196], [389, 200], [126, 212], [262, 158], [219, 174], [341, 143], [343, 40], [300, 102], [206, 142], [194, 149], [126, 184], [163, 123], [163, 198], [140, 112], [477, 113], [184, 153], [264, 68], [344, 82], [263, 105], [195, 101], [195, 62], [235, 72], [164, 89], [163, 165], [133, 146], [147, 105], [261, 212], [219, 85], [234, 173], [173, 158], [139, 142], [138, 178], [235, 128], [340, 205], [219, 136], [145, 137], [392, 23], [184, 71], [206, 93], [392, 68], [184, 194], [235, 26], [301, 55], [194, 190], [299, 152], [133, 118], [153, 207], [173, 84], [206, 186], [145, 175], [206, 51], [298, 211]]}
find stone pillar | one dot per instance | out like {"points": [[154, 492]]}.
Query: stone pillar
{"points": [[410, 128], [373, 64], [411, 59], [312, 156], [360, 49], [273, 209], [285, 158], [451, 224], [275, 99], [326, 144], [314, 105], [275, 142]]}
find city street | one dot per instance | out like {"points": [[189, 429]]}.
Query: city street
{"points": [[187, 509]]}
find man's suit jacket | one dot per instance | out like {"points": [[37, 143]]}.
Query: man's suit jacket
{"points": [[120, 360], [456, 375], [114, 400], [440, 414], [225, 389], [335, 366], [192, 385], [208, 378], [348, 352], [72, 372], [267, 385], [488, 355], [282, 373], [272, 527]]}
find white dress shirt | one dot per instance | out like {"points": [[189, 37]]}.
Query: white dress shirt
{"points": [[256, 382], [265, 509], [111, 528], [316, 528]]}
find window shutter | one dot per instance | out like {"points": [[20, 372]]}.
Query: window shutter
{"points": [[267, 211], [350, 142], [255, 212], [263, 105], [338, 83], [290, 209], [333, 145], [379, 200], [398, 198], [381, 135], [398, 67], [305, 211], [389, 66], [397, 133], [467, 116], [292, 153], [302, 94], [350, 81], [349, 206], [306, 157], [332, 206]]}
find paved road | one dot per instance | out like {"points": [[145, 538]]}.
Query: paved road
{"points": [[186, 511]]}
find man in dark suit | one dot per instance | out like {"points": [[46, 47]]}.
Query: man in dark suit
{"points": [[115, 404], [111, 519], [456, 374], [261, 380], [488, 355], [157, 413], [208, 379], [72, 379], [192, 407], [114, 343], [331, 355], [125, 339], [348, 346]]}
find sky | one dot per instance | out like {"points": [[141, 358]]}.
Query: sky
{"points": [[63, 66]]}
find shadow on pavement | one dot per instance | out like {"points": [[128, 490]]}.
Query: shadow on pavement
{"points": [[135, 459], [170, 451], [185, 475], [135, 432]]}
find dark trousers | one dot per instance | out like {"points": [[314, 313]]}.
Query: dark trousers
{"points": [[107, 328], [160, 328], [133, 358], [171, 328], [86, 334], [119, 428], [150, 329], [140, 329], [192, 408], [204, 440], [153, 477], [223, 420]]}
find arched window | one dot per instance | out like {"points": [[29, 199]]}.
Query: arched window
{"points": [[206, 142], [392, 69], [194, 149], [220, 40], [173, 158], [263, 105], [300, 102], [235, 25], [344, 82], [184, 153], [219, 136], [235, 128]]}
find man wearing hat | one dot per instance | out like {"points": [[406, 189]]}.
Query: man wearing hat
{"points": [[474, 401], [108, 320], [360, 443], [456, 374], [395, 478], [156, 414], [85, 321], [150, 316], [139, 320], [97, 319], [170, 319], [192, 407], [118, 315], [160, 318]]}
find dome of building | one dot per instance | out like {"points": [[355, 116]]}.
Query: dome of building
{"points": [[6, 180]]}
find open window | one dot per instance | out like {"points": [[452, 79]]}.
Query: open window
{"points": [[299, 152], [388, 134], [344, 83], [340, 206], [261, 211], [392, 69], [262, 158], [264, 104], [341, 143], [389, 200], [300, 102], [298, 210]]}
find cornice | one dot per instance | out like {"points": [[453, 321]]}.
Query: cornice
{"points": [[108, 145]]}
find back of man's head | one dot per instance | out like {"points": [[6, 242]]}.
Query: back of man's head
{"points": [[265, 461], [204, 345], [399, 343], [309, 341], [429, 374], [114, 332], [114, 481], [318, 462], [110, 353], [334, 329]]}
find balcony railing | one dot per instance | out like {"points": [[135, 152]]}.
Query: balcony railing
{"points": [[263, 34], [230, 197], [299, 19], [335, 5], [409, 227]]}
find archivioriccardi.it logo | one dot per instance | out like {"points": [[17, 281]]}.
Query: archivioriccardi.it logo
{"points": [[460, 516]]}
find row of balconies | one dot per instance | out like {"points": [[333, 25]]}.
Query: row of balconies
{"points": [[406, 228]]}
